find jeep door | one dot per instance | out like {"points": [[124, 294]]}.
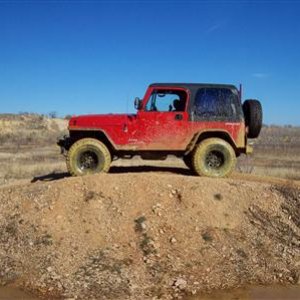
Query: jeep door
{"points": [[162, 121]]}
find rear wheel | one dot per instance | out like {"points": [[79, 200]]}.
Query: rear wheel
{"points": [[88, 156], [213, 157]]}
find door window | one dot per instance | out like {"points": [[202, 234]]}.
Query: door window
{"points": [[163, 100]]}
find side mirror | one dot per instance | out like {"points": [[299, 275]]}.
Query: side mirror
{"points": [[137, 103]]}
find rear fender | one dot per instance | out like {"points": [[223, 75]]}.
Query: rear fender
{"points": [[200, 136]]}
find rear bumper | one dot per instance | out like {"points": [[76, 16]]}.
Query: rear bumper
{"points": [[249, 149]]}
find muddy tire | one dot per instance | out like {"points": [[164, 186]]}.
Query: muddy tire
{"points": [[88, 156], [214, 157], [253, 117]]}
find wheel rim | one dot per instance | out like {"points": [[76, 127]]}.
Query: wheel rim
{"points": [[214, 160], [88, 161]]}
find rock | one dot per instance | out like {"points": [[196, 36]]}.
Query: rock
{"points": [[173, 240], [132, 244], [180, 283]]}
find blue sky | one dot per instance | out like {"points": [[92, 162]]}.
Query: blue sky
{"points": [[78, 57]]}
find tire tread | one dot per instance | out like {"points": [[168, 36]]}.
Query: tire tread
{"points": [[88, 141]]}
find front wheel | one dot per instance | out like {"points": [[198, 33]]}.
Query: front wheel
{"points": [[88, 156], [214, 157]]}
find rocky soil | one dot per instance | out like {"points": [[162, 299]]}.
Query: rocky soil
{"points": [[147, 235]]}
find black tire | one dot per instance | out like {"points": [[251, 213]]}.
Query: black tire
{"points": [[214, 157], [88, 156], [253, 117]]}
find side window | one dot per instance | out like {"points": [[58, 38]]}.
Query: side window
{"points": [[167, 100], [215, 103]]}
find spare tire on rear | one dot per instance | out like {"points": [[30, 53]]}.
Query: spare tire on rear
{"points": [[253, 117]]}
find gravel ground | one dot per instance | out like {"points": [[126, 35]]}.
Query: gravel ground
{"points": [[147, 235]]}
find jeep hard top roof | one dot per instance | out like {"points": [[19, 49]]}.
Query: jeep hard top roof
{"points": [[193, 85], [194, 89]]}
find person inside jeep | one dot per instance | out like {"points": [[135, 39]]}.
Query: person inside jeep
{"points": [[178, 105], [163, 100]]}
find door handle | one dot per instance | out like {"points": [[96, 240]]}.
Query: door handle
{"points": [[178, 117]]}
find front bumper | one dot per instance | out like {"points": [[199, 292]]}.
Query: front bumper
{"points": [[64, 143]]}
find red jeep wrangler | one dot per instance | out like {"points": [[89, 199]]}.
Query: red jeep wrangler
{"points": [[204, 124]]}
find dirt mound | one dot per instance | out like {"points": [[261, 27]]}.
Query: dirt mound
{"points": [[147, 236]]}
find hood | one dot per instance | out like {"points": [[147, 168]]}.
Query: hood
{"points": [[92, 121]]}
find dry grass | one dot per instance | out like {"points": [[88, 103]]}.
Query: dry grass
{"points": [[28, 149], [28, 146], [32, 130], [276, 153]]}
